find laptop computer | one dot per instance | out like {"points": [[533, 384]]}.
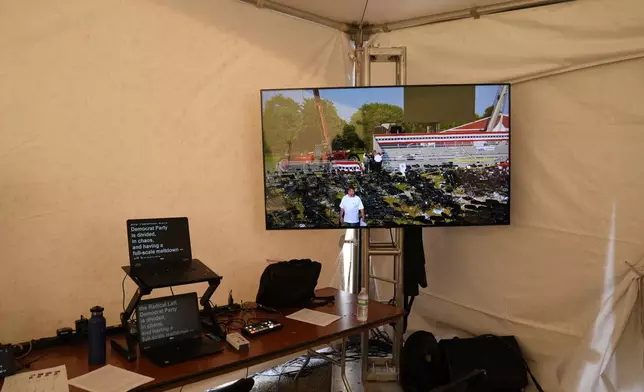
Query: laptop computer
{"points": [[160, 253], [170, 331]]}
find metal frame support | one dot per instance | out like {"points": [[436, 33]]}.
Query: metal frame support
{"points": [[287, 10], [466, 13], [356, 30], [365, 56], [385, 55], [359, 66], [128, 351], [395, 250]]}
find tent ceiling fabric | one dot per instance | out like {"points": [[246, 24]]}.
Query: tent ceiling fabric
{"points": [[382, 11], [522, 45]]}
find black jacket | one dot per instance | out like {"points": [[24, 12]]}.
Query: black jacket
{"points": [[413, 261]]}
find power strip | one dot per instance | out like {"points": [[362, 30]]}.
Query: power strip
{"points": [[237, 341]]}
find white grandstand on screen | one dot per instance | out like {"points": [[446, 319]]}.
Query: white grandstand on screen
{"points": [[465, 145]]}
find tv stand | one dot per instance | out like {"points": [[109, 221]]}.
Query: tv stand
{"points": [[128, 350]]}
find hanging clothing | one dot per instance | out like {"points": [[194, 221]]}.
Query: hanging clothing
{"points": [[414, 274], [413, 261]]}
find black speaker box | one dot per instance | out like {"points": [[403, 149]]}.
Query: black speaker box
{"points": [[499, 356]]}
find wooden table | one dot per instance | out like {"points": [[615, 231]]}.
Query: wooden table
{"points": [[294, 337]]}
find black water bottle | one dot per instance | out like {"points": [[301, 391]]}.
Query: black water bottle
{"points": [[96, 337]]}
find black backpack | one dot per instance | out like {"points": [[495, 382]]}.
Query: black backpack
{"points": [[291, 284], [422, 366]]}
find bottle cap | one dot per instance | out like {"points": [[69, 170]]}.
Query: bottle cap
{"points": [[96, 309]]}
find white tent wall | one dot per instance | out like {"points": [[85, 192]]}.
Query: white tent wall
{"points": [[112, 110], [556, 277]]}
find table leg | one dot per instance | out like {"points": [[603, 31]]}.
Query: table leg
{"points": [[397, 347], [343, 367], [364, 357]]}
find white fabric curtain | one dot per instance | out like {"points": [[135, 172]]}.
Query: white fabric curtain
{"points": [[556, 278]]}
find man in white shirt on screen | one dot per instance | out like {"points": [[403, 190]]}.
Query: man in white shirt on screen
{"points": [[377, 158], [351, 209]]}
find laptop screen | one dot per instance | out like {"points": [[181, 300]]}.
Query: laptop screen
{"points": [[162, 239], [166, 319]]}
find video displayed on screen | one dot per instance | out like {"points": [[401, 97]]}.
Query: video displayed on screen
{"points": [[386, 156]]}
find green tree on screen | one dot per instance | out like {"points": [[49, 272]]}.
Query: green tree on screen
{"points": [[371, 115], [311, 133], [281, 121], [414, 127], [337, 143], [351, 138], [488, 111], [348, 140]]}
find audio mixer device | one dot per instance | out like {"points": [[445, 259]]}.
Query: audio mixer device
{"points": [[261, 328]]}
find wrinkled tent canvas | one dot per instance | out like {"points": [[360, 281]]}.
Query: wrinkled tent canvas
{"points": [[94, 90]]}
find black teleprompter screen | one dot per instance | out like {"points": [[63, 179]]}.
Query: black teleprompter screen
{"points": [[168, 318], [158, 239]]}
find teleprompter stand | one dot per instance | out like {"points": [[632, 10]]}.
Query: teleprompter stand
{"points": [[128, 351]]}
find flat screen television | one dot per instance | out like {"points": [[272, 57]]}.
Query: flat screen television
{"points": [[385, 157]]}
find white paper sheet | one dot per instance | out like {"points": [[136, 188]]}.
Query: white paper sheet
{"points": [[109, 379], [46, 380], [313, 317]]}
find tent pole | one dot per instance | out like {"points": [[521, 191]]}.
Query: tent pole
{"points": [[475, 13], [355, 30], [358, 80], [359, 41], [284, 9]]}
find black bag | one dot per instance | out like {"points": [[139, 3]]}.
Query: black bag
{"points": [[291, 284], [485, 363], [421, 363]]}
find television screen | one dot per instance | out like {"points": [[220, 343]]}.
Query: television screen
{"points": [[383, 157]]}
